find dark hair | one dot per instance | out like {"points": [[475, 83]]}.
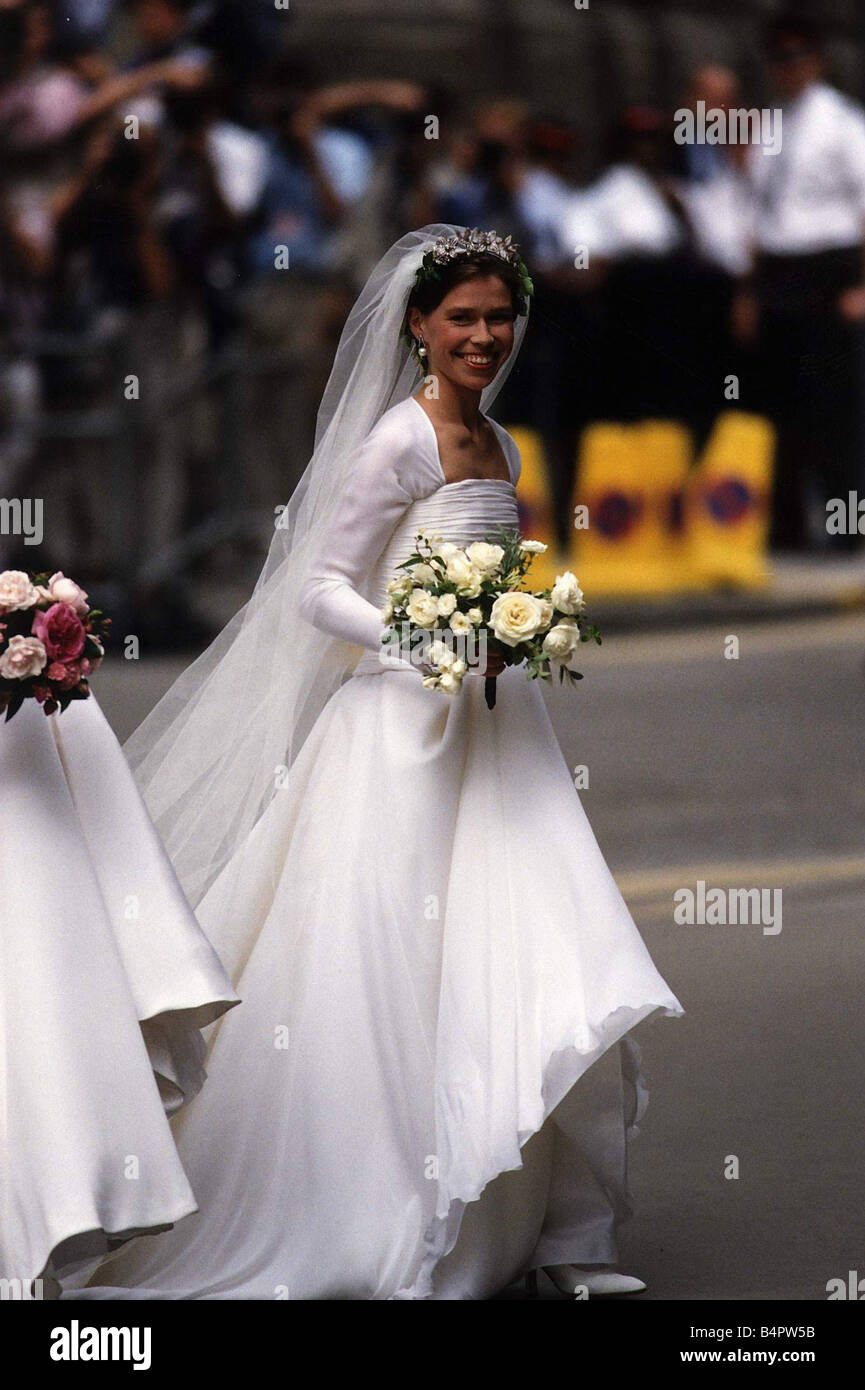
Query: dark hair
{"points": [[429, 294], [792, 33], [13, 37]]}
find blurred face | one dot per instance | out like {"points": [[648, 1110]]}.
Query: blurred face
{"points": [[158, 21], [717, 87], [470, 334], [793, 71]]}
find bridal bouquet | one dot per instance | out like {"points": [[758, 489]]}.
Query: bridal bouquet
{"points": [[448, 600], [50, 641]]}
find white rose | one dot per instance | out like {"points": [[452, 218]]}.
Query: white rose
{"points": [[474, 616], [562, 640], [16, 591], [566, 593], [446, 605], [423, 573], [422, 608], [450, 683], [546, 611], [462, 572], [440, 654], [430, 538], [59, 589], [485, 557], [24, 657], [446, 549], [533, 547], [387, 612], [430, 682], [459, 668], [515, 617], [460, 623], [399, 586]]}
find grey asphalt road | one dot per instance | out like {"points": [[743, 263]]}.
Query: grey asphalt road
{"points": [[741, 772]]}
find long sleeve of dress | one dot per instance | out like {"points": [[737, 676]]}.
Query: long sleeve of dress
{"points": [[373, 502]]}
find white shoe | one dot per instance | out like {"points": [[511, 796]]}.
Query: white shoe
{"points": [[598, 1283]]}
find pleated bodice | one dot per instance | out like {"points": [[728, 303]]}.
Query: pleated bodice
{"points": [[472, 509]]}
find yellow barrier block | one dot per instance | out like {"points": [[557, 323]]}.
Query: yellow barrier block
{"points": [[534, 500], [727, 503], [631, 478]]}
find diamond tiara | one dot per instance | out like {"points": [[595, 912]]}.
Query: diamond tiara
{"points": [[472, 242]]}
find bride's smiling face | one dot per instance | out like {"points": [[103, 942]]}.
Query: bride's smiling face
{"points": [[470, 333]]}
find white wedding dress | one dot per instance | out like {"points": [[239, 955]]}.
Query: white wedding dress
{"points": [[106, 981], [429, 1085]]}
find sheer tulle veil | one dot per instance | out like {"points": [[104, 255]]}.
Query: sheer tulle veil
{"points": [[222, 742]]}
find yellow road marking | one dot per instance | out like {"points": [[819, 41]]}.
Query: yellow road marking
{"points": [[767, 873], [659, 649]]}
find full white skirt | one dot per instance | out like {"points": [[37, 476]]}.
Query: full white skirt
{"points": [[106, 980], [429, 1086]]}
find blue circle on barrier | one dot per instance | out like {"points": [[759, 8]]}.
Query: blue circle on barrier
{"points": [[728, 500], [614, 514]]}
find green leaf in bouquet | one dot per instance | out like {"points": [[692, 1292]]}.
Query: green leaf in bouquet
{"points": [[16, 700], [571, 675]]}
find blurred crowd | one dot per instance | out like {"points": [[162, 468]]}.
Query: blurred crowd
{"points": [[184, 205]]}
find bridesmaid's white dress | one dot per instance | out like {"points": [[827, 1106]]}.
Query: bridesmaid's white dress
{"points": [[430, 1084], [105, 981]]}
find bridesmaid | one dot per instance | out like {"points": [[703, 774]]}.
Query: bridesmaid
{"points": [[106, 981]]}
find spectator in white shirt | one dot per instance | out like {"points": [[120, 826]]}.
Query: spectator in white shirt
{"points": [[712, 183], [806, 299]]}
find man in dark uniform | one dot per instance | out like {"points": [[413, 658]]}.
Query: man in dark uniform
{"points": [[809, 289]]}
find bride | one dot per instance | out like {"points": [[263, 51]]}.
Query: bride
{"points": [[429, 1087]]}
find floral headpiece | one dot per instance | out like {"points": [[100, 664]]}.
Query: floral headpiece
{"points": [[472, 242]]}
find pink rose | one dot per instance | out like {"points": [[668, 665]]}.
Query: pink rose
{"points": [[62, 590], [24, 657], [61, 631], [71, 677], [67, 674]]}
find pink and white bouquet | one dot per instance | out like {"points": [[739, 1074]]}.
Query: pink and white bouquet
{"points": [[50, 641], [447, 602]]}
